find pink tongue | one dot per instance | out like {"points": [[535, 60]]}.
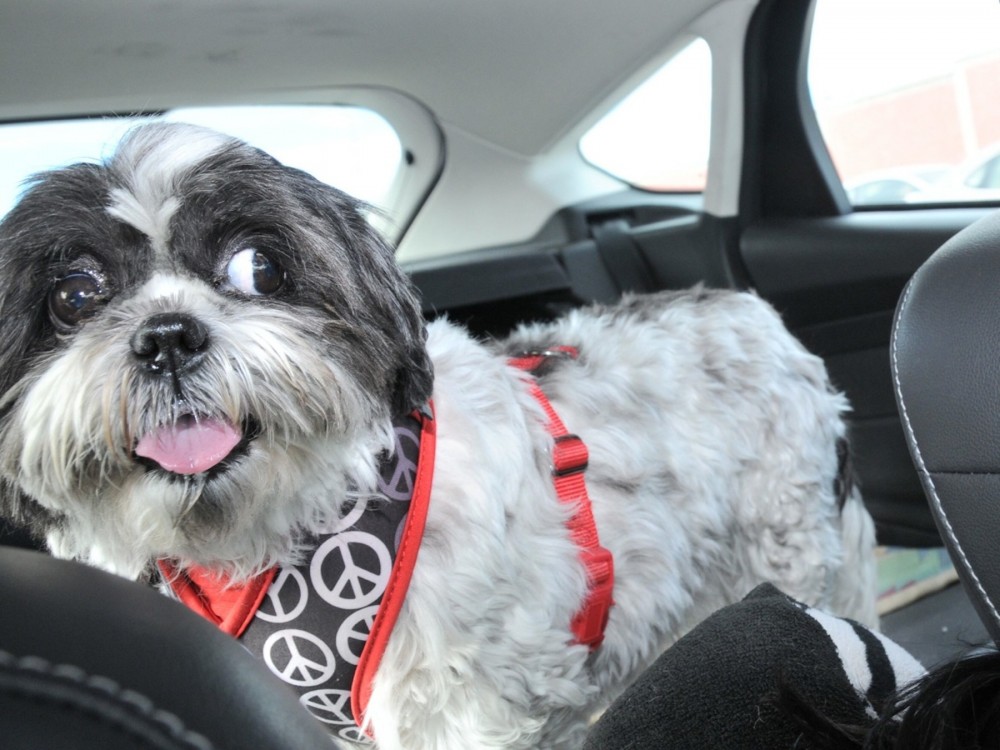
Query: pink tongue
{"points": [[189, 446]]}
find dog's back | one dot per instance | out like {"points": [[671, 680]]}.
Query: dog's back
{"points": [[717, 460], [712, 436]]}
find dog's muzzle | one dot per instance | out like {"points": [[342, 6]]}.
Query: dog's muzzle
{"points": [[169, 345]]}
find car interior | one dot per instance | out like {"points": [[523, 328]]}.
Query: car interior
{"points": [[499, 220]]}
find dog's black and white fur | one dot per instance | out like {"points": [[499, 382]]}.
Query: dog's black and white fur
{"points": [[193, 279]]}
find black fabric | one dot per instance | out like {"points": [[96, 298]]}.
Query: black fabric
{"points": [[945, 355], [89, 660], [718, 686]]}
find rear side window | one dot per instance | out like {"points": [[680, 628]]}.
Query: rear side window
{"points": [[657, 137], [907, 95], [352, 148]]}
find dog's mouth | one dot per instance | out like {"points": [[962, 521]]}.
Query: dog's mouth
{"points": [[194, 444]]}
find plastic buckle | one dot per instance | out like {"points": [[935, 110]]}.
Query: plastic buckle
{"points": [[532, 360], [566, 352], [569, 455]]}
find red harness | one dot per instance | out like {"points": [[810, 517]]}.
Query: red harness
{"points": [[233, 608], [569, 461]]}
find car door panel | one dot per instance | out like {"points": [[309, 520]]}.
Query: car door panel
{"points": [[836, 281]]}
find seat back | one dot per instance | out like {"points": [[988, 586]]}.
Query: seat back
{"points": [[89, 660], [945, 356]]}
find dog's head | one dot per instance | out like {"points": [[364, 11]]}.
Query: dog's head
{"points": [[199, 345]]}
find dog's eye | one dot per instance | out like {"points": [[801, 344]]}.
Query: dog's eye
{"points": [[74, 298], [252, 272]]}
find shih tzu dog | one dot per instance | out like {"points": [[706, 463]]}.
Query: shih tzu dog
{"points": [[215, 375]]}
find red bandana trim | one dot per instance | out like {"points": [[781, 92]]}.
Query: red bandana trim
{"points": [[402, 570], [230, 608]]}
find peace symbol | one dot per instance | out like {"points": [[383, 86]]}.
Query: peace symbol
{"points": [[356, 629], [351, 517], [283, 654], [329, 706], [349, 590], [354, 734], [400, 485], [288, 587]]}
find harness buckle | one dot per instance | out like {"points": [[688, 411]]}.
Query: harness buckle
{"points": [[532, 360], [569, 455]]}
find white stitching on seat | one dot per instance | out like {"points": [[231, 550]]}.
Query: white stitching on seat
{"points": [[923, 467], [105, 687]]}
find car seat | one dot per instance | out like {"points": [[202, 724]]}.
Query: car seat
{"points": [[945, 356], [90, 660]]}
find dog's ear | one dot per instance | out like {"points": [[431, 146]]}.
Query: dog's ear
{"points": [[382, 307], [22, 296], [397, 304], [414, 380]]}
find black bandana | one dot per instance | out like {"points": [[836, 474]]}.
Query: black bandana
{"points": [[315, 619]]}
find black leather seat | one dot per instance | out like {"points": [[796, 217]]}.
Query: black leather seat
{"points": [[88, 660], [945, 357]]}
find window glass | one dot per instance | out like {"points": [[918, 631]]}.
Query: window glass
{"points": [[657, 137], [907, 94], [352, 148]]}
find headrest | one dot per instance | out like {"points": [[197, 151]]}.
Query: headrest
{"points": [[945, 356]]}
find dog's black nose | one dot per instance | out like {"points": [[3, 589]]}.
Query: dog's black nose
{"points": [[170, 343]]}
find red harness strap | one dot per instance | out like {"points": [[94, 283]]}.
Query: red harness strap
{"points": [[569, 461]]}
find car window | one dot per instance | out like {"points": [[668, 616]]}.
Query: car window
{"points": [[657, 137], [352, 148], [907, 95]]}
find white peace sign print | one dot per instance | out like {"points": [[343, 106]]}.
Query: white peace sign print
{"points": [[288, 587], [354, 734], [351, 517], [355, 629], [400, 485], [329, 706], [283, 654], [349, 590]]}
